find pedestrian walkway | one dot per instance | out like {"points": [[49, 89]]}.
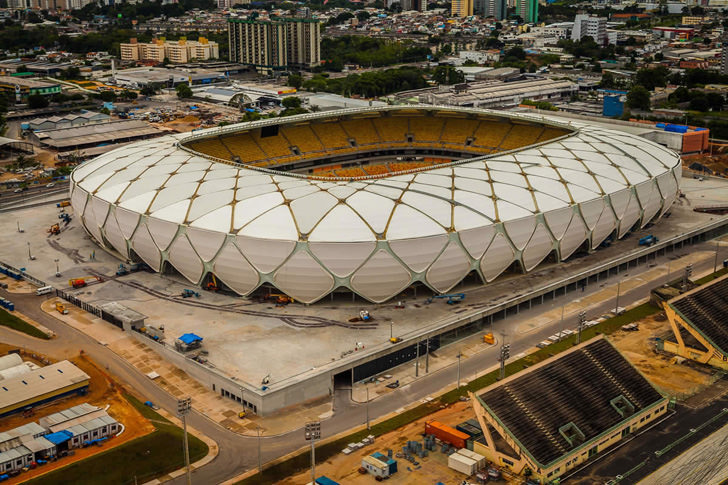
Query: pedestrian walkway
{"points": [[179, 384]]}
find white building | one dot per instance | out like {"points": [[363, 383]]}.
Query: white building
{"points": [[592, 26]]}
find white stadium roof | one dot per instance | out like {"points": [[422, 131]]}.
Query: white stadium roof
{"points": [[308, 236]]}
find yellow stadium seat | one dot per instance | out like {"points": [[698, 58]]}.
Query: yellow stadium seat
{"points": [[458, 130], [521, 136], [362, 131], [426, 128], [332, 135], [392, 128], [243, 146], [302, 137], [491, 133]]}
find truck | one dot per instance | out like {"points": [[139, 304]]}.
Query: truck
{"points": [[648, 240], [64, 203], [61, 308]]}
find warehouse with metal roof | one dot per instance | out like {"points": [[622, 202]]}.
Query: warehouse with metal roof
{"points": [[699, 323], [565, 411], [41, 385], [371, 201], [95, 134]]}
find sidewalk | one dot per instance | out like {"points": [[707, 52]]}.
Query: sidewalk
{"points": [[177, 383], [447, 356], [211, 454]]}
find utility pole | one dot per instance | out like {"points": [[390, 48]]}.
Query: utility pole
{"points": [[427, 355], [715, 262], [391, 330], [183, 408], [260, 462], [367, 388], [460, 354], [580, 327], [312, 432], [505, 353], [686, 276]]}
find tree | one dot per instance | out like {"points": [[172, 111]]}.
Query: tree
{"points": [[608, 81], [107, 96], [184, 91], [21, 68], [128, 95], [699, 103], [71, 73], [638, 98], [652, 78], [447, 75], [37, 101], [516, 52], [149, 90], [715, 101], [295, 81], [291, 102]]}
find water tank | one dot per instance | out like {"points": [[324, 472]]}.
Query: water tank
{"points": [[10, 360]]}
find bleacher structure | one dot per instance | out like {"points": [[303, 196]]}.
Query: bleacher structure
{"points": [[564, 411], [302, 142], [699, 322]]}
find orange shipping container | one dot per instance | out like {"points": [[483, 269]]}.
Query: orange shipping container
{"points": [[695, 141], [446, 434]]}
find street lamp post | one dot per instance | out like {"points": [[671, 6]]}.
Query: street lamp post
{"points": [[715, 262], [460, 354], [260, 462], [616, 304], [417, 359], [183, 408], [582, 320], [367, 406], [312, 432], [505, 353], [58, 270]]}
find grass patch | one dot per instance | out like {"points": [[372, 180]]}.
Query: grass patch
{"points": [[296, 464], [711, 277], [9, 320], [145, 458]]}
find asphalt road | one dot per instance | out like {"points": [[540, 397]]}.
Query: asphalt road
{"points": [[238, 453]]}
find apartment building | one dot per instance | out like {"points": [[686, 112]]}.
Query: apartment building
{"points": [[462, 8], [275, 44], [592, 26], [177, 52]]}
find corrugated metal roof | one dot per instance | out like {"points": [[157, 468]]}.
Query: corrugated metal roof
{"points": [[37, 383]]}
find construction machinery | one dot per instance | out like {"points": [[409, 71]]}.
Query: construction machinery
{"points": [[488, 338], [363, 316], [65, 217], [61, 308], [83, 281], [280, 299], [54, 230], [648, 240], [64, 203], [212, 284], [132, 268], [451, 299], [187, 293]]}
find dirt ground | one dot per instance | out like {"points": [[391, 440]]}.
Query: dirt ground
{"points": [[668, 377], [103, 391], [432, 469], [718, 163], [182, 125], [15, 286]]}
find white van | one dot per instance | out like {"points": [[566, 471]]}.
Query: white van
{"points": [[44, 290]]}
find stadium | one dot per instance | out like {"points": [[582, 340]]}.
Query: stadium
{"points": [[371, 201]]}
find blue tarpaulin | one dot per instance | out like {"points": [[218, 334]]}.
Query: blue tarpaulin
{"points": [[59, 437], [190, 338]]}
